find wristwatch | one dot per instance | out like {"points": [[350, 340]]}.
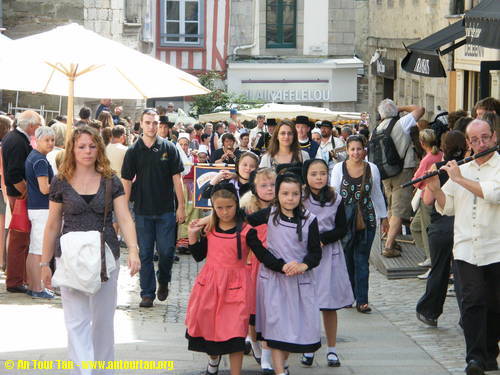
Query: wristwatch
{"points": [[44, 264]]}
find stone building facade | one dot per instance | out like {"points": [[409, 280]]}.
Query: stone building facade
{"points": [[292, 52], [392, 25]]}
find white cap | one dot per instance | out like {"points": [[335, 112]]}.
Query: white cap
{"points": [[203, 148], [184, 135], [316, 130]]}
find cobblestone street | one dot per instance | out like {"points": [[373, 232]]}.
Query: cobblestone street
{"points": [[391, 340]]}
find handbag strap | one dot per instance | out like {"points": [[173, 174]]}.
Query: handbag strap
{"points": [[107, 204]]}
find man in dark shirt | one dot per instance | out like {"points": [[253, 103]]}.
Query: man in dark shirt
{"points": [[155, 164], [15, 149]]}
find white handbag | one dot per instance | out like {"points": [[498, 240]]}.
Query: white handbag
{"points": [[80, 264]]}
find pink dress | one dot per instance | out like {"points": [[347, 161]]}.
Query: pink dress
{"points": [[218, 309]]}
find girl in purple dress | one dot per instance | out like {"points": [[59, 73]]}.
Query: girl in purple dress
{"points": [[287, 302], [332, 279]]}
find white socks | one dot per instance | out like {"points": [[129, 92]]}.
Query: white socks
{"points": [[213, 365], [309, 355], [257, 351], [332, 349], [265, 359]]}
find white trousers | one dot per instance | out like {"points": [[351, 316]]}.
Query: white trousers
{"points": [[90, 325]]}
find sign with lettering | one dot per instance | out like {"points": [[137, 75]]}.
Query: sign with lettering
{"points": [[423, 64], [289, 94], [202, 177], [383, 67]]}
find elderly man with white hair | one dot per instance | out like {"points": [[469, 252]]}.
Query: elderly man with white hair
{"points": [[472, 195], [15, 149], [399, 198]]}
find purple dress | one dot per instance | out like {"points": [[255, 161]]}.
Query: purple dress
{"points": [[287, 306], [332, 280]]}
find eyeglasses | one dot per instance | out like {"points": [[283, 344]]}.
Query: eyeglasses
{"points": [[477, 141]]}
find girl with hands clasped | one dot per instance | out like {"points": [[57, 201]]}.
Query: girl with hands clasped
{"points": [[293, 248], [332, 280]]}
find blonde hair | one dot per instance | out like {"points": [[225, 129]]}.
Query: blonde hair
{"points": [[250, 202], [428, 138], [68, 166], [214, 220]]}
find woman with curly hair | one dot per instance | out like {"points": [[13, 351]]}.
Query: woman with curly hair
{"points": [[76, 204]]}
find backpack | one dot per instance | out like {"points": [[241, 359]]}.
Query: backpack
{"points": [[383, 152]]}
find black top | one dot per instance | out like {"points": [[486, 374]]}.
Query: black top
{"points": [[153, 168], [218, 154], [314, 251], [340, 229], [78, 215], [15, 150], [87, 197]]}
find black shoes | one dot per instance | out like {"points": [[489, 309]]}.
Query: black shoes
{"points": [[307, 361], [332, 359], [146, 302], [17, 289], [428, 321], [162, 293], [474, 368]]}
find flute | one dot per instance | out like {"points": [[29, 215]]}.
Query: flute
{"points": [[460, 162]]}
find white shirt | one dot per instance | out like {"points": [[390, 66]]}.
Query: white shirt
{"points": [[401, 136], [116, 153], [476, 234], [376, 192], [325, 148], [51, 157], [254, 133]]}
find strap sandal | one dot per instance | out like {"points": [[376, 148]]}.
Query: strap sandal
{"points": [[332, 359], [307, 361], [213, 369]]}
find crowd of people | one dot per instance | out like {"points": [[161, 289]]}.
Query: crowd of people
{"points": [[289, 233]]}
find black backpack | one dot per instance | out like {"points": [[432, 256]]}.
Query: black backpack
{"points": [[383, 152]]}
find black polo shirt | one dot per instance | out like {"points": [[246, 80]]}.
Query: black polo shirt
{"points": [[153, 167]]}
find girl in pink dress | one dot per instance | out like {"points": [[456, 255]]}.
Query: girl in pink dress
{"points": [[218, 311]]}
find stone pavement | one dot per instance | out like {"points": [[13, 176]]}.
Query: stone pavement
{"points": [[390, 340]]}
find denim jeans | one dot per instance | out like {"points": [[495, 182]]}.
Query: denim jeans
{"points": [[159, 229], [357, 254]]}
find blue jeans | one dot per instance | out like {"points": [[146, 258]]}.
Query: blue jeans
{"points": [[159, 229], [357, 254]]}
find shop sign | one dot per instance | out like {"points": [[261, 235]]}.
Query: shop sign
{"points": [[383, 67], [289, 94]]}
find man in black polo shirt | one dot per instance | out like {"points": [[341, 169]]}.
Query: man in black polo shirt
{"points": [[156, 165]]}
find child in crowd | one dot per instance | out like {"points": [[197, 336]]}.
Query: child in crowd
{"points": [[260, 196], [218, 310], [246, 164], [332, 280], [293, 248]]}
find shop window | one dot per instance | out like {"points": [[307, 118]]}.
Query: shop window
{"points": [[281, 23], [181, 23]]}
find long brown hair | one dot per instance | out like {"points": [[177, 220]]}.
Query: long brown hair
{"points": [[214, 219], [68, 166], [274, 145]]}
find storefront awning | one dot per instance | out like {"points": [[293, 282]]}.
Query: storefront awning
{"points": [[482, 24], [423, 56]]}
